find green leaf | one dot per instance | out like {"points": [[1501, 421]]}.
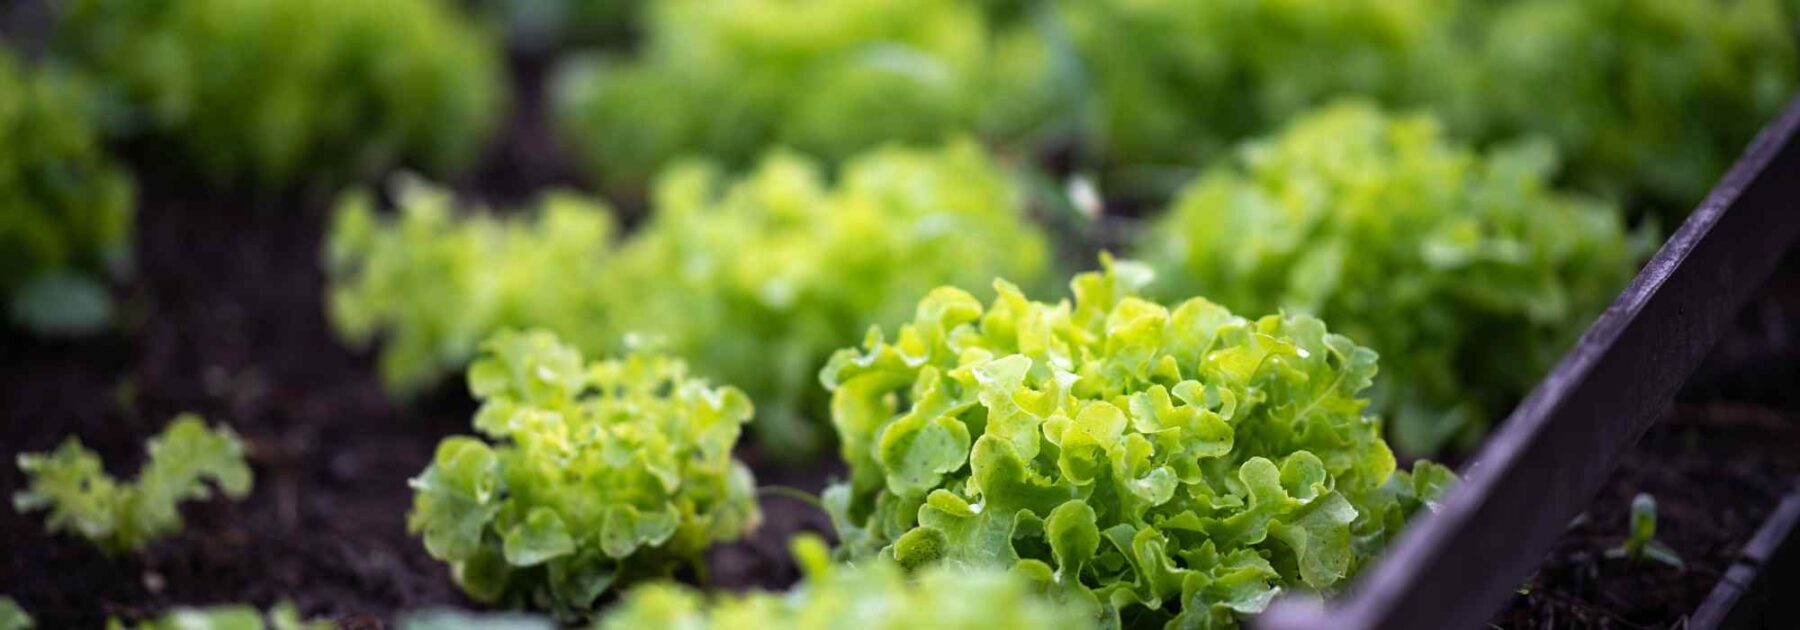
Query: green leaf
{"points": [[541, 537], [1073, 537], [453, 501]]}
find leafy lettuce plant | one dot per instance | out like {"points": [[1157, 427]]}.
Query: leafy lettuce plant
{"points": [[729, 79], [1465, 269], [870, 596], [277, 92], [594, 475], [282, 616], [65, 208], [760, 279], [185, 462], [1168, 464], [431, 283], [755, 281]]}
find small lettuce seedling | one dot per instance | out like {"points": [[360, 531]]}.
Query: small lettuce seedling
{"points": [[598, 474], [227, 617], [1642, 542], [870, 596], [186, 461], [1168, 464]]}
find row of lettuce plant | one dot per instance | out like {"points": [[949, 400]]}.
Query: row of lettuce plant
{"points": [[1467, 267], [265, 94], [1145, 462], [1667, 93], [754, 280], [1108, 461]]}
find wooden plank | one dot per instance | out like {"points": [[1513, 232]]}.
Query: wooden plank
{"points": [[1454, 568], [1750, 595]]}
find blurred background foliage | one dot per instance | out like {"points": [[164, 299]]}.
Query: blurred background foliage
{"points": [[789, 172], [65, 206], [1466, 270], [260, 93], [755, 280], [729, 79]]}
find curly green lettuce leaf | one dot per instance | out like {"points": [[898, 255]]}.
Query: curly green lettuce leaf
{"points": [[593, 475], [186, 462], [1172, 464], [1466, 270], [280, 93]]}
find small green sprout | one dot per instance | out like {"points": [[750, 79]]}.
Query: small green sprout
{"points": [[124, 516], [1643, 543]]}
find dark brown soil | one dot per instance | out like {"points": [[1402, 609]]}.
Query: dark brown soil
{"points": [[1717, 465]]}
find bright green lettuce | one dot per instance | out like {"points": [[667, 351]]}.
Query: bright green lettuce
{"points": [[227, 617], [1167, 463], [1465, 269], [728, 79], [871, 596], [595, 475], [185, 461], [755, 281], [278, 92], [433, 283], [758, 280], [65, 208]]}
